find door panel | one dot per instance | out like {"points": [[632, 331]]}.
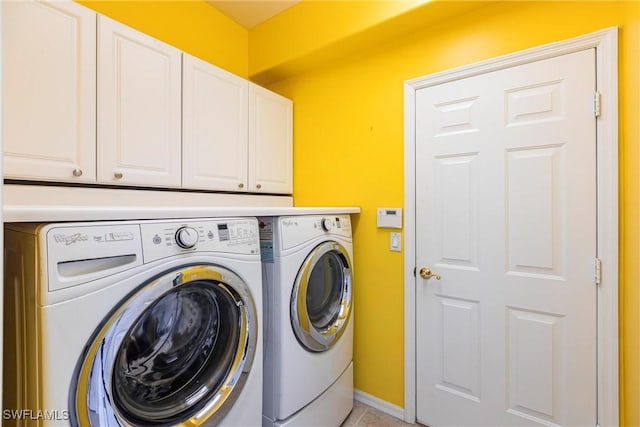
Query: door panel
{"points": [[459, 341], [270, 142], [505, 213], [532, 389], [139, 108], [214, 127], [535, 198], [49, 91], [457, 229]]}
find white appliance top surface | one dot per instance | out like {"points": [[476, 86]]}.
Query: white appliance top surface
{"points": [[32, 203], [36, 213]]}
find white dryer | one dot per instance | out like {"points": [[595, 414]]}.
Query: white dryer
{"points": [[307, 272], [132, 323]]}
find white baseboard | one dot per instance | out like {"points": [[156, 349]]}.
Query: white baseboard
{"points": [[379, 404]]}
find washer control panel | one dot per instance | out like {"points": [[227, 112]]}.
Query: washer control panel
{"points": [[81, 252], [164, 239]]}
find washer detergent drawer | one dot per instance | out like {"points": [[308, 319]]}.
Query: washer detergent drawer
{"points": [[81, 254]]}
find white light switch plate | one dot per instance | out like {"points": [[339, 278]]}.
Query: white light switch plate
{"points": [[395, 242]]}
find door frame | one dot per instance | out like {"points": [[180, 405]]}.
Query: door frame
{"points": [[606, 44]]}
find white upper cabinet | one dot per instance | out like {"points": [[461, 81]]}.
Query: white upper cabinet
{"points": [[139, 108], [214, 127], [270, 142], [89, 100], [49, 91]]}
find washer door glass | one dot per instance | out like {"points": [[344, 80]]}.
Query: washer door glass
{"points": [[182, 347], [321, 298], [176, 351]]}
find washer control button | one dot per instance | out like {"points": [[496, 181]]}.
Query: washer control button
{"points": [[326, 224], [186, 237]]}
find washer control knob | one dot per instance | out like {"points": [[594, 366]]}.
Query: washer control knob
{"points": [[186, 237], [326, 224]]}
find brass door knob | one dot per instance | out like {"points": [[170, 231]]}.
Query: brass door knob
{"points": [[426, 273]]}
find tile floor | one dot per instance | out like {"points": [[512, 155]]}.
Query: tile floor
{"points": [[365, 416]]}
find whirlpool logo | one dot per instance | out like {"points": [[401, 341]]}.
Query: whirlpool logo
{"points": [[70, 239]]}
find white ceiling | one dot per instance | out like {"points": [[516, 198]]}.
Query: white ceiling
{"points": [[251, 13]]}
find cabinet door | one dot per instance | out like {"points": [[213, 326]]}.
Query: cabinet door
{"points": [[270, 142], [49, 91], [214, 127], [139, 107]]}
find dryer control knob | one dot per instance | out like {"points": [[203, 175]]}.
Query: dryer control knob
{"points": [[326, 224], [186, 237]]}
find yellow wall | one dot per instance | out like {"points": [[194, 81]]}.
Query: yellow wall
{"points": [[348, 126], [348, 133], [192, 26], [313, 32]]}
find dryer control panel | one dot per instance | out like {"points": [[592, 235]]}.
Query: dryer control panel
{"points": [[237, 236], [297, 230]]}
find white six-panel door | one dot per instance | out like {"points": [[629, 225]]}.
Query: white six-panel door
{"points": [[506, 214]]}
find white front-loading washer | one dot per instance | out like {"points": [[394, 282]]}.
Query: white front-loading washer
{"points": [[307, 273], [133, 323]]}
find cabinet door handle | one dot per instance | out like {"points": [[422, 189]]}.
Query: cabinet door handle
{"points": [[77, 172], [258, 186], [118, 175], [241, 185]]}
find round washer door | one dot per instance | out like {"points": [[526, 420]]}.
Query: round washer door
{"points": [[321, 298], [176, 351]]}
